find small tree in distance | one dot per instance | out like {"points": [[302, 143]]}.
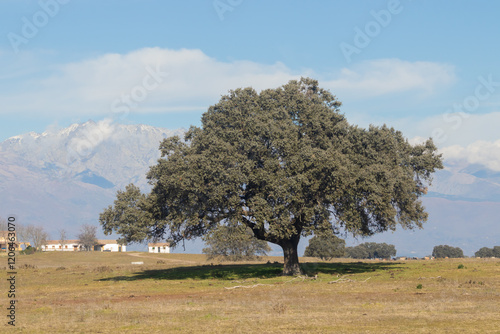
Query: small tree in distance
{"points": [[443, 251], [62, 237], [325, 247], [380, 250], [496, 251], [488, 252], [36, 235], [87, 237], [357, 252], [234, 243], [371, 250], [484, 252]]}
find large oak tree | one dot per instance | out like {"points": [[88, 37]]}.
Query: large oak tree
{"points": [[285, 163]]}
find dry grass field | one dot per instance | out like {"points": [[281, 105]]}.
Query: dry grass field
{"points": [[179, 293]]}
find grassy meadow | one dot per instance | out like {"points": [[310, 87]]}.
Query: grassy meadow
{"points": [[183, 293]]}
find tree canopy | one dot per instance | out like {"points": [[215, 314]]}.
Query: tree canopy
{"points": [[484, 252], [488, 252], [496, 251], [442, 251], [285, 163], [325, 247], [371, 250]]}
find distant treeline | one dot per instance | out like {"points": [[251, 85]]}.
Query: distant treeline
{"points": [[488, 252], [327, 247], [330, 246]]}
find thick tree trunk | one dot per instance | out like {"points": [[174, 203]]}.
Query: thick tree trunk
{"points": [[291, 266]]}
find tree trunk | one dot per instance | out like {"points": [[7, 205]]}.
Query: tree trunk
{"points": [[291, 258]]}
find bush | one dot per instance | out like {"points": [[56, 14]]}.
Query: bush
{"points": [[371, 250], [496, 251], [484, 252], [28, 251], [357, 252], [325, 247], [488, 252], [234, 243], [443, 251]]}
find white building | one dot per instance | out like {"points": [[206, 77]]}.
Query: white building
{"points": [[55, 245], [73, 245], [109, 246], [159, 247]]}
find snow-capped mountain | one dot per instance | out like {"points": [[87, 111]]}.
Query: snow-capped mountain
{"points": [[64, 178], [104, 154], [471, 183]]}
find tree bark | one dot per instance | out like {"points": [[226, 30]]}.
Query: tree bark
{"points": [[291, 259]]}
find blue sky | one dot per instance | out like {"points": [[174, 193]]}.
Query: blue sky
{"points": [[427, 68]]}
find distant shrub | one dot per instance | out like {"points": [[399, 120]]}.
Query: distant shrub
{"points": [[371, 250], [443, 251], [461, 266], [496, 251], [488, 252], [28, 251], [234, 243], [325, 247], [419, 286]]}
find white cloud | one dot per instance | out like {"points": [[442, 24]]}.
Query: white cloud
{"points": [[481, 152], [193, 81], [450, 129], [462, 138], [189, 80], [385, 76]]}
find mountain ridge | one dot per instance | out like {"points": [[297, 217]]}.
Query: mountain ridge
{"points": [[88, 146]]}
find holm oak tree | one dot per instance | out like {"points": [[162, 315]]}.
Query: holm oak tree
{"points": [[284, 162]]}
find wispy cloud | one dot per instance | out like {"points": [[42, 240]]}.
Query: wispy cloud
{"points": [[463, 138], [450, 129], [479, 152], [387, 76], [193, 81]]}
